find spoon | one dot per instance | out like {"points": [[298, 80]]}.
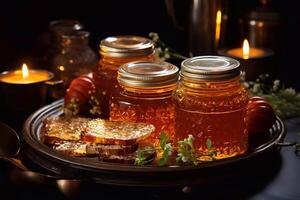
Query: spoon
{"points": [[10, 146]]}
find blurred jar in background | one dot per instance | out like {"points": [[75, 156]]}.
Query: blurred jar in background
{"points": [[56, 29], [263, 27], [73, 58], [48, 41], [116, 51]]}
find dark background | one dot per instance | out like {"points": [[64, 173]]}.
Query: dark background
{"points": [[23, 22]]}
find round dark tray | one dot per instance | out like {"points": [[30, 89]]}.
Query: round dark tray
{"points": [[91, 169]]}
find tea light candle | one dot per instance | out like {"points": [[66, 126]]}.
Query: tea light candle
{"points": [[25, 76], [246, 52], [253, 60], [22, 92]]}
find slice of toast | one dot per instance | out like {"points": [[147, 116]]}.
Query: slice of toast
{"points": [[116, 132], [73, 148], [57, 129], [106, 150], [128, 158], [80, 149]]}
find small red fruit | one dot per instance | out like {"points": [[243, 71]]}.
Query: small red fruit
{"points": [[78, 94], [261, 115]]}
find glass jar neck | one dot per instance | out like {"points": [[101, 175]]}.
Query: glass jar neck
{"points": [[114, 63], [208, 86], [64, 26], [152, 93], [75, 39], [74, 42]]}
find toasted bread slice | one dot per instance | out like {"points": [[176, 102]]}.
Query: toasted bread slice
{"points": [[116, 132], [77, 148], [72, 148], [113, 149], [125, 159], [57, 129], [128, 158]]}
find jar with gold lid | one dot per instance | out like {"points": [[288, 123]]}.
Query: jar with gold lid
{"points": [[210, 104], [116, 51], [146, 96]]}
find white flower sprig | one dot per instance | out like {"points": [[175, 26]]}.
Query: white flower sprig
{"points": [[285, 101], [163, 51], [186, 151]]}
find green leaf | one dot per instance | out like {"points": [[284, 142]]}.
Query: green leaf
{"points": [[209, 144], [163, 160], [163, 139], [186, 151], [140, 157], [165, 147]]}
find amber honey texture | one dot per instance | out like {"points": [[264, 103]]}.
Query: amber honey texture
{"points": [[105, 79], [156, 109], [212, 111]]}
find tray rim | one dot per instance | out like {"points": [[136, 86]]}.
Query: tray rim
{"points": [[101, 166]]}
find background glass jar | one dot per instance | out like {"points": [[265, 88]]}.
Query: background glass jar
{"points": [[116, 51], [146, 96], [51, 41], [210, 104], [74, 58]]}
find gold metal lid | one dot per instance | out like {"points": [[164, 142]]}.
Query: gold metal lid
{"points": [[126, 46], [147, 74], [212, 68]]}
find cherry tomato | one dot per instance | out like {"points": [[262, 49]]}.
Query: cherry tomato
{"points": [[79, 90], [261, 115]]}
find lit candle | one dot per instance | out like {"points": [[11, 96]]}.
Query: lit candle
{"points": [[218, 27], [22, 92], [254, 61], [246, 52], [25, 76]]}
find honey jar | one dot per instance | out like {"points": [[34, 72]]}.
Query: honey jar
{"points": [[146, 96], [210, 104], [116, 51]]}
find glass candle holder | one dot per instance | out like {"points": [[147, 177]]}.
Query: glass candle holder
{"points": [[254, 61], [20, 96]]}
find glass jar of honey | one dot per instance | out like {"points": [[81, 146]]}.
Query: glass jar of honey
{"points": [[210, 104], [146, 96], [114, 52]]}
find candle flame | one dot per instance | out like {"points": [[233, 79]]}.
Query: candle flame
{"points": [[25, 72], [218, 26], [246, 49]]}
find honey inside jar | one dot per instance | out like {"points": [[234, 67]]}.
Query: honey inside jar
{"points": [[116, 51], [210, 104], [146, 96]]}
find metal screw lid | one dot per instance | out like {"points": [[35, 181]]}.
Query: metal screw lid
{"points": [[126, 46], [210, 68], [147, 74]]}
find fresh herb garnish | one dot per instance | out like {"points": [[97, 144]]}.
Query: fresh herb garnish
{"points": [[140, 157], [186, 151], [166, 148], [209, 144], [285, 101], [162, 50]]}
